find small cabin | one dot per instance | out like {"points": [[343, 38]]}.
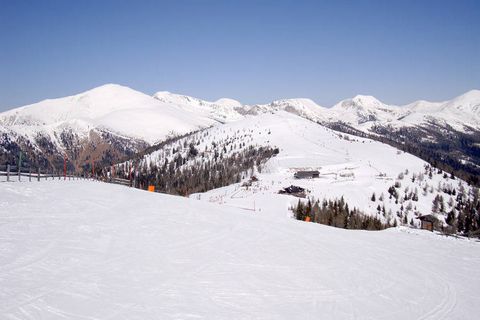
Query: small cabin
{"points": [[428, 222], [307, 174], [294, 191]]}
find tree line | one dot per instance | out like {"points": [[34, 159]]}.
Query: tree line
{"points": [[192, 173], [337, 213]]}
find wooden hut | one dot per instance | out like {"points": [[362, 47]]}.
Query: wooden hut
{"points": [[428, 222]]}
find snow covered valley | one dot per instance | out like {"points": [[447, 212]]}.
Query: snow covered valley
{"points": [[91, 250]]}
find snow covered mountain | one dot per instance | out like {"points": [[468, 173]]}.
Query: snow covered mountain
{"points": [[440, 132], [363, 109], [446, 133], [459, 112], [112, 121], [462, 112], [117, 109], [112, 107], [362, 112], [105, 123]]}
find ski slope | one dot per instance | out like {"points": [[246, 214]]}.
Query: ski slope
{"points": [[350, 167], [89, 250]]}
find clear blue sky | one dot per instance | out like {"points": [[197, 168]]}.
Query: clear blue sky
{"points": [[253, 51]]}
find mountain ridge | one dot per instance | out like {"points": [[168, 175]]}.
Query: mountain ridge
{"points": [[357, 108], [124, 120]]}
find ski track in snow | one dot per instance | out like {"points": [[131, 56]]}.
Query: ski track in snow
{"points": [[89, 250]]}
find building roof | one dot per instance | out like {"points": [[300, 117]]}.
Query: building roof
{"points": [[308, 172], [428, 218], [292, 189]]}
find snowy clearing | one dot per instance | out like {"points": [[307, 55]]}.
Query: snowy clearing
{"points": [[89, 250]]}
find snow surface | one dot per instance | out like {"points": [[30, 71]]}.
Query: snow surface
{"points": [[301, 106], [90, 250], [222, 110]]}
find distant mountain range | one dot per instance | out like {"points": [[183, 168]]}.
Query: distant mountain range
{"points": [[112, 122], [462, 112]]}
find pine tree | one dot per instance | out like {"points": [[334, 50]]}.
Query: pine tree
{"points": [[436, 204]]}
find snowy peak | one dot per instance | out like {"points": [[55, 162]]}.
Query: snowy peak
{"points": [[362, 109], [362, 102], [367, 101], [222, 110], [459, 112], [91, 105], [467, 102], [108, 89], [115, 108], [227, 102]]}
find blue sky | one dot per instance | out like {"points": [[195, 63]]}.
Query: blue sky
{"points": [[252, 51]]}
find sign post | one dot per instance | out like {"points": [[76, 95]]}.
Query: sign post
{"points": [[19, 164], [65, 167]]}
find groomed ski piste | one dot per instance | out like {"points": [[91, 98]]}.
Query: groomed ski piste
{"points": [[91, 250]]}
